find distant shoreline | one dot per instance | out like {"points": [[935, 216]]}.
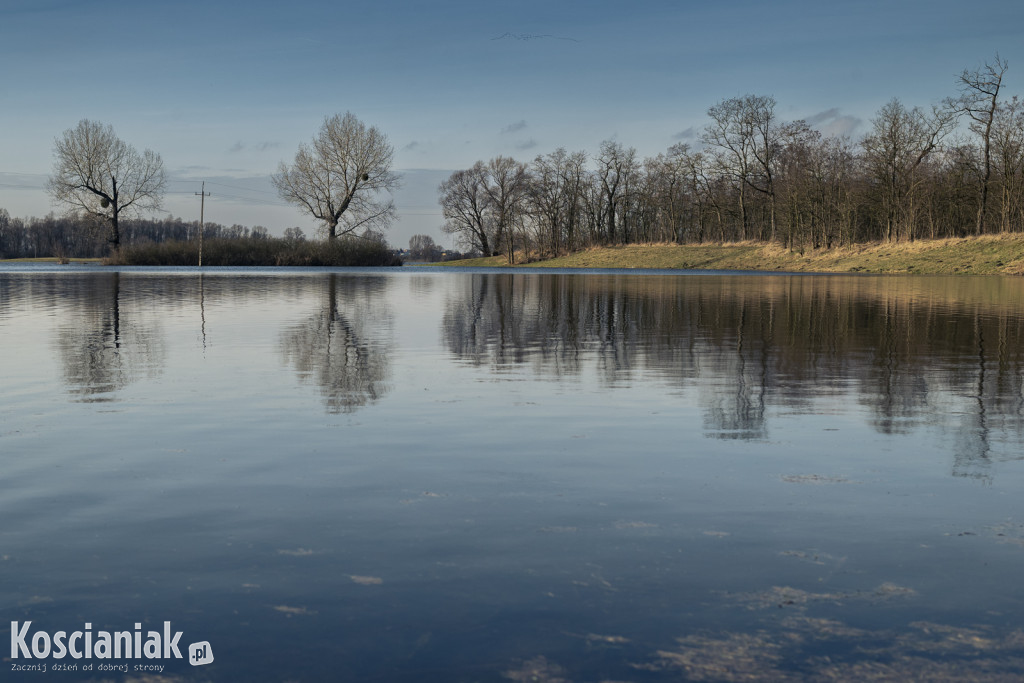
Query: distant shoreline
{"points": [[985, 255]]}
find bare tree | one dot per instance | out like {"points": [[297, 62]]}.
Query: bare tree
{"points": [[616, 169], [730, 135], [900, 141], [979, 99], [464, 204], [759, 111], [423, 248], [556, 181], [506, 194], [1008, 146], [700, 188], [97, 173], [339, 178]]}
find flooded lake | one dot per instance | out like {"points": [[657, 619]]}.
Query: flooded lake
{"points": [[431, 475]]}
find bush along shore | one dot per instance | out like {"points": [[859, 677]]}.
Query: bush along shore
{"points": [[342, 251]]}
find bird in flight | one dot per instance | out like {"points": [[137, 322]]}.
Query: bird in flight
{"points": [[531, 36]]}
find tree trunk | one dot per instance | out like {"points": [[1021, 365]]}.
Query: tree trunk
{"points": [[115, 233]]}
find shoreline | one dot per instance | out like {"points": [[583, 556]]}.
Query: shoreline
{"points": [[985, 255]]}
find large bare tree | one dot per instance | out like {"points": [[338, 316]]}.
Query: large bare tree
{"points": [[339, 179], [97, 173], [744, 138], [979, 99], [485, 203], [617, 169], [465, 205], [506, 194]]}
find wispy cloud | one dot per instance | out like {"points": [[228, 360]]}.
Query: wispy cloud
{"points": [[514, 127], [22, 181], [526, 144], [258, 147], [411, 146], [832, 122], [688, 134]]}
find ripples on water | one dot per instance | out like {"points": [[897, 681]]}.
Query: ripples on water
{"points": [[435, 475]]}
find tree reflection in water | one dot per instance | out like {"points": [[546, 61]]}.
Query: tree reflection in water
{"points": [[105, 345], [340, 348], [948, 352]]}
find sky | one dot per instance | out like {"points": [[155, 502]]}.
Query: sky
{"points": [[226, 91]]}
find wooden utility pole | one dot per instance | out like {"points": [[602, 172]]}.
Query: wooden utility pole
{"points": [[202, 201]]}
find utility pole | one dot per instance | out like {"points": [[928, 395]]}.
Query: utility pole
{"points": [[202, 201]]}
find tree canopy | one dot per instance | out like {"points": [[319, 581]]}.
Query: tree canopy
{"points": [[98, 174], [339, 178]]}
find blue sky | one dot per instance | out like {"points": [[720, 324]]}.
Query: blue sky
{"points": [[225, 91]]}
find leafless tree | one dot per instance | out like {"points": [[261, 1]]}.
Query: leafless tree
{"points": [[423, 248], [97, 173], [666, 182], [979, 100], [758, 177], [700, 189], [555, 200], [900, 141], [464, 204], [1008, 146], [759, 111], [730, 137], [616, 169], [506, 193], [339, 178]]}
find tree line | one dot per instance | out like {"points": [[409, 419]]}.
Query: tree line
{"points": [[75, 235], [917, 173]]}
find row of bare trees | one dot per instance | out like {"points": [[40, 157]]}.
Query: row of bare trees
{"points": [[916, 173], [341, 179]]}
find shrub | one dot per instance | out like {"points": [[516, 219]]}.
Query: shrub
{"points": [[343, 251]]}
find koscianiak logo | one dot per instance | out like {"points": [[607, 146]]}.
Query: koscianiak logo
{"points": [[117, 650]]}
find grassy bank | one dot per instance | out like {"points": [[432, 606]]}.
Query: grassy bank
{"points": [[989, 255], [257, 252]]}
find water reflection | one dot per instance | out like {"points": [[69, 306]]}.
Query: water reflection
{"points": [[943, 352], [600, 477], [340, 348], [912, 350], [104, 343]]}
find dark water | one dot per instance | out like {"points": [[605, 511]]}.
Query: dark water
{"points": [[417, 475]]}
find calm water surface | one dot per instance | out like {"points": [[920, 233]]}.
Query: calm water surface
{"points": [[421, 475]]}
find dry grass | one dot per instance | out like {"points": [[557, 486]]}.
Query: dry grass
{"points": [[988, 255]]}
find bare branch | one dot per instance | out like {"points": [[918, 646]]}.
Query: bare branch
{"points": [[340, 177], [98, 173]]}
